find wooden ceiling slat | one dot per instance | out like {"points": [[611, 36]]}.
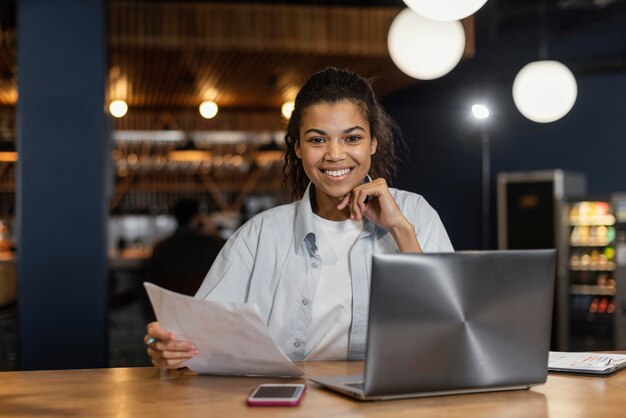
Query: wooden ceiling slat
{"points": [[167, 55], [254, 27]]}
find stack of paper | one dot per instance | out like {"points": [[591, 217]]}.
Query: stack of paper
{"points": [[586, 363], [231, 338]]}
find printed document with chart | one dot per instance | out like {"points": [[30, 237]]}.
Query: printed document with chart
{"points": [[231, 338]]}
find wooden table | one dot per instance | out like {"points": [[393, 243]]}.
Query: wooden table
{"points": [[148, 392]]}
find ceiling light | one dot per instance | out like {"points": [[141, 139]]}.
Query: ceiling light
{"points": [[480, 111], [287, 109], [445, 10], [118, 108], [7, 152], [208, 109], [544, 91], [188, 152], [422, 48]]}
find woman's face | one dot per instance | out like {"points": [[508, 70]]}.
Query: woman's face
{"points": [[336, 149]]}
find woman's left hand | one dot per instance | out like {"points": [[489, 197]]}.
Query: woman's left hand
{"points": [[382, 209]]}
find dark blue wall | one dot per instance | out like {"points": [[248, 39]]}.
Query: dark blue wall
{"points": [[445, 151]]}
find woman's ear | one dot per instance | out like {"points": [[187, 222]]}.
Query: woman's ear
{"points": [[297, 150], [373, 146]]}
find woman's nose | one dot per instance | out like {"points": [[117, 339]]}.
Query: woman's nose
{"points": [[335, 151]]}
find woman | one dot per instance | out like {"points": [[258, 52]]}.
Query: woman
{"points": [[306, 264]]}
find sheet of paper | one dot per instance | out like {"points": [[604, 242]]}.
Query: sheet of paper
{"points": [[584, 361], [231, 338]]}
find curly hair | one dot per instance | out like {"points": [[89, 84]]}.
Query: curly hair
{"points": [[333, 85]]}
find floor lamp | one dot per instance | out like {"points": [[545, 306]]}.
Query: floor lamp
{"points": [[481, 113]]}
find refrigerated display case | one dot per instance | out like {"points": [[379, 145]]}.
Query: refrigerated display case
{"points": [[531, 208], [592, 287]]}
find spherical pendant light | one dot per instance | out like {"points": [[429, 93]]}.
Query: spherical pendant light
{"points": [[208, 109], [422, 48], [544, 91], [118, 108], [287, 109], [445, 10]]}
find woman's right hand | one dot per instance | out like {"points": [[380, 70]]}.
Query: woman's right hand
{"points": [[167, 352]]}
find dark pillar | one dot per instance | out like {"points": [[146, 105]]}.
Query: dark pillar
{"points": [[62, 182]]}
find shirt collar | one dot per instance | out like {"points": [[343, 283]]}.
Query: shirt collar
{"points": [[304, 224], [304, 218]]}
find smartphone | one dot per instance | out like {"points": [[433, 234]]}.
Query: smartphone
{"points": [[277, 394]]}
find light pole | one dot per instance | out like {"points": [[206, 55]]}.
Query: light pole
{"points": [[481, 112]]}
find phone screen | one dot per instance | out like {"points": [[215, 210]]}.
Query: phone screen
{"points": [[265, 392], [277, 394]]}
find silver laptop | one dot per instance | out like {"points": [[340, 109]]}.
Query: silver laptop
{"points": [[453, 323]]}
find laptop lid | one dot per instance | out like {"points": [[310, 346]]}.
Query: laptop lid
{"points": [[458, 321]]}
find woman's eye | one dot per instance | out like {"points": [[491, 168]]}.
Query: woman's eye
{"points": [[353, 138], [316, 140]]}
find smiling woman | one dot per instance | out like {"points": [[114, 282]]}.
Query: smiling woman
{"points": [[306, 264]]}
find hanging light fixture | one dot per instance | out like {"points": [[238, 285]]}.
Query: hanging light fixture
{"points": [[118, 108], [445, 10], [544, 91], [422, 48], [187, 151], [208, 109]]}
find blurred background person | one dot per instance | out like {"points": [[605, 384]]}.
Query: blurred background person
{"points": [[181, 261]]}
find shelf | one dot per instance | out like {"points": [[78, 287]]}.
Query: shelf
{"points": [[592, 244], [606, 220], [610, 266], [592, 290]]}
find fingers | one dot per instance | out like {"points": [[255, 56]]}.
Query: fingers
{"points": [[168, 364], [344, 202], [361, 196], [169, 359], [164, 350], [155, 331]]}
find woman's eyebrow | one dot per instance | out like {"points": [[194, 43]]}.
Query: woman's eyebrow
{"points": [[354, 128], [345, 131], [314, 130]]}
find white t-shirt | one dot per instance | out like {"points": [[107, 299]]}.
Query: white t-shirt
{"points": [[332, 306]]}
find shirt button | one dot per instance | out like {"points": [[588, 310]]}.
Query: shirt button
{"points": [[314, 265], [296, 344], [305, 302]]}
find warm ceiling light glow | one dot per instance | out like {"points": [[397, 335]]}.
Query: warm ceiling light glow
{"points": [[189, 155], [8, 156], [480, 111], [118, 108], [423, 48], [287, 109], [544, 91], [208, 109], [445, 10]]}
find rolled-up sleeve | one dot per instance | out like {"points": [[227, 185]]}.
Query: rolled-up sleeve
{"points": [[229, 276]]}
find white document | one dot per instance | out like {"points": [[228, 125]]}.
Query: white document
{"points": [[231, 338], [595, 363]]}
